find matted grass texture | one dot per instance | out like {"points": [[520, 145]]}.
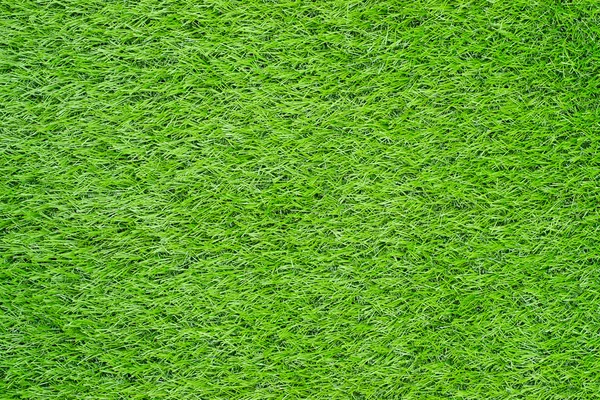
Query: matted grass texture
{"points": [[299, 199]]}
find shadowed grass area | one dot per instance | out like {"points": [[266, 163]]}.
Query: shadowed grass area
{"points": [[299, 199]]}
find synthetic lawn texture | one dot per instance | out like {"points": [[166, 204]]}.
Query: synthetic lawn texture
{"points": [[324, 200]]}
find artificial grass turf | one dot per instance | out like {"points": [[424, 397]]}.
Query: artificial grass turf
{"points": [[325, 200]]}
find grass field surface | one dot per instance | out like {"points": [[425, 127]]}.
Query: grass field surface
{"points": [[299, 199]]}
